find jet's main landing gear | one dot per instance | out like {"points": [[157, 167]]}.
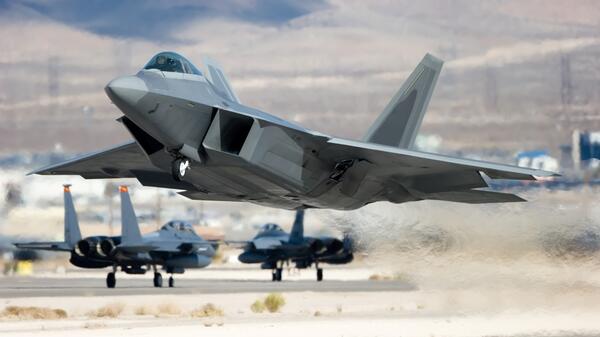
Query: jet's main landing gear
{"points": [[157, 280], [111, 280], [179, 167], [278, 273], [319, 274], [171, 281]]}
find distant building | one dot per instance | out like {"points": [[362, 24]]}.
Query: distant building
{"points": [[538, 159], [585, 150]]}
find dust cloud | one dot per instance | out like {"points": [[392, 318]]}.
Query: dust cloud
{"points": [[542, 253]]}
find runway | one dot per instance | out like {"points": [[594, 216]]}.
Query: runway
{"points": [[21, 287]]}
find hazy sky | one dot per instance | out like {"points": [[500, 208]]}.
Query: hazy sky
{"points": [[331, 65]]}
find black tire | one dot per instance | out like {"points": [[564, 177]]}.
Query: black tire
{"points": [[176, 171], [319, 274], [111, 280], [278, 274], [273, 276], [171, 282], [158, 280]]}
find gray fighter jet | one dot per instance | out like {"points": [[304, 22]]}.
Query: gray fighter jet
{"points": [[192, 133], [175, 246], [272, 247]]}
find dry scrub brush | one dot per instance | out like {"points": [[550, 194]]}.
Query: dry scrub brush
{"points": [[110, 310], [17, 312], [273, 303], [207, 310]]}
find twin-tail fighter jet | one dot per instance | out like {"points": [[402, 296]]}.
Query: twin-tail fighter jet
{"points": [[175, 246], [191, 132], [272, 247]]}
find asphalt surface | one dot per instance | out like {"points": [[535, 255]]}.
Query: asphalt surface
{"points": [[19, 287]]}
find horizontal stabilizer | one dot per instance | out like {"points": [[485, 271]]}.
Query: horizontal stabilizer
{"points": [[474, 197], [198, 195], [54, 246]]}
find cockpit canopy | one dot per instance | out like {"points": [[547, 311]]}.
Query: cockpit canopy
{"points": [[178, 226], [270, 227], [172, 62]]}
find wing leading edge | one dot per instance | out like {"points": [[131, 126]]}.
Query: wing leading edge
{"points": [[120, 161]]}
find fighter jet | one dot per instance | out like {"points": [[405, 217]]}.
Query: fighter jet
{"points": [[191, 132], [272, 247], [175, 246]]}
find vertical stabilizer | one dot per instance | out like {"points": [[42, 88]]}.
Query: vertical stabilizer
{"points": [[72, 232], [297, 234], [401, 119], [130, 230], [216, 77]]}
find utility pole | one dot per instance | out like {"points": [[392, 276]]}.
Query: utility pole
{"points": [[491, 89], [566, 85]]}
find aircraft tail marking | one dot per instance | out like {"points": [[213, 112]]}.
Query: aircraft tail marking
{"points": [[401, 119], [72, 232], [130, 230], [297, 233]]}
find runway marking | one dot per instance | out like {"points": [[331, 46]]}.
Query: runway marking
{"points": [[19, 287]]}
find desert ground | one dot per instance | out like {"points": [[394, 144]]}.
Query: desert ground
{"points": [[357, 301]]}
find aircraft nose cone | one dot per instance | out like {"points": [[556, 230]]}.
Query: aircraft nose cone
{"points": [[127, 90]]}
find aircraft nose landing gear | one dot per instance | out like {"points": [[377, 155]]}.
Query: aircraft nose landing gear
{"points": [[179, 167]]}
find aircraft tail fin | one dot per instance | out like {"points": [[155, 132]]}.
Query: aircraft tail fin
{"points": [[401, 119], [216, 77], [72, 234], [297, 234], [130, 230], [72, 231]]}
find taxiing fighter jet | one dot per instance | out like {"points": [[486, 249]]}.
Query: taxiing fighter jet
{"points": [[192, 133], [272, 247], [175, 246]]}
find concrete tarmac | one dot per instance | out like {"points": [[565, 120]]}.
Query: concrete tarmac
{"points": [[20, 286]]}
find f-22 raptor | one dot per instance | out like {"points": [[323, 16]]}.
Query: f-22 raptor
{"points": [[175, 246], [192, 133], [272, 247]]}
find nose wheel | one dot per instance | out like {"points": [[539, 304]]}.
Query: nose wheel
{"points": [[179, 167]]}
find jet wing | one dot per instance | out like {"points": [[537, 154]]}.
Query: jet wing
{"points": [[266, 243], [426, 175], [235, 243], [53, 246], [117, 162]]}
